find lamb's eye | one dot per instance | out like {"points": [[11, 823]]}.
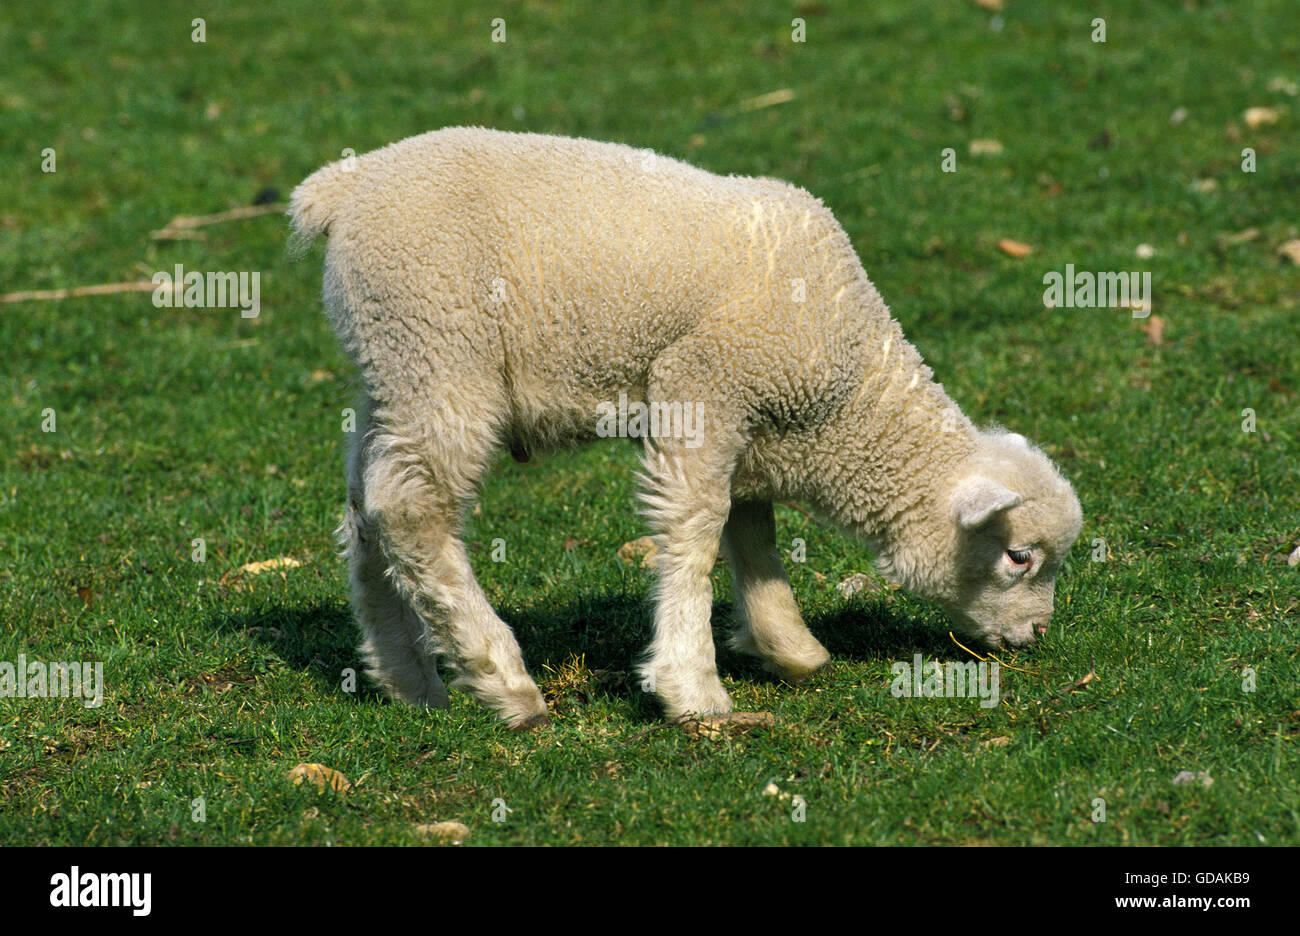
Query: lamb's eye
{"points": [[1019, 556]]}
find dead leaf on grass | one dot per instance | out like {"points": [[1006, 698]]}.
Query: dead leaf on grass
{"points": [[1257, 117], [1290, 250], [321, 776], [257, 568], [445, 833], [643, 548], [715, 726], [1154, 329], [986, 147]]}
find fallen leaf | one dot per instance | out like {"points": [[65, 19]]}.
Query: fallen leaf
{"points": [[1145, 251], [257, 568], [1014, 248], [1178, 116], [1291, 250], [1154, 329], [1284, 84], [853, 584], [1204, 186], [445, 833], [85, 594], [1001, 741], [321, 776], [1257, 117], [1049, 185], [1294, 558], [644, 548], [1080, 683], [985, 147], [1240, 237], [993, 5], [1188, 777]]}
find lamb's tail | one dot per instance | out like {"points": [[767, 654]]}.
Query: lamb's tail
{"points": [[315, 203]]}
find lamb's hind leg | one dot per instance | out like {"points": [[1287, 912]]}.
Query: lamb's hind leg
{"points": [[392, 644], [416, 484], [392, 632], [770, 626]]}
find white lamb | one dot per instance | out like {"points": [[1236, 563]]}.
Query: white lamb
{"points": [[501, 289]]}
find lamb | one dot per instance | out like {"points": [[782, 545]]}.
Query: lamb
{"points": [[503, 290]]}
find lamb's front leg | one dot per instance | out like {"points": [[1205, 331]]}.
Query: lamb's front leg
{"points": [[770, 626], [687, 498]]}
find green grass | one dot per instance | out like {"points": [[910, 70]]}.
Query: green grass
{"points": [[174, 424]]}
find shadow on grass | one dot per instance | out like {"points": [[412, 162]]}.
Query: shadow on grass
{"points": [[318, 639], [609, 632]]}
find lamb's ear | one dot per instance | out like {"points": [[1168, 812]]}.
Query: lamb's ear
{"points": [[978, 498]]}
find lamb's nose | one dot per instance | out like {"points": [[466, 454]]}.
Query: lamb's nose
{"points": [[1041, 627]]}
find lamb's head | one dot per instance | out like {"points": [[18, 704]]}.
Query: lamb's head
{"points": [[1012, 519]]}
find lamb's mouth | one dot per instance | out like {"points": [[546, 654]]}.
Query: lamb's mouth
{"points": [[990, 638]]}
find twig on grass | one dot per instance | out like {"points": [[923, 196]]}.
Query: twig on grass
{"points": [[182, 223], [73, 292]]}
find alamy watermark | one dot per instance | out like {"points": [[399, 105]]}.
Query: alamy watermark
{"points": [[1085, 290], [86, 889], [657, 420], [215, 290], [32, 679], [951, 680]]}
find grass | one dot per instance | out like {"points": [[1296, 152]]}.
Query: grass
{"points": [[177, 424]]}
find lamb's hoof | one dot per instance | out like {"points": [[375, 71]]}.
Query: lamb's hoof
{"points": [[798, 676], [799, 670], [530, 722]]}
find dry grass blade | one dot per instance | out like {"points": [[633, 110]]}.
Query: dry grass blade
{"points": [[73, 292], [182, 223], [1087, 678]]}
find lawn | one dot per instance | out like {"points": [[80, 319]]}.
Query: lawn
{"points": [[139, 440]]}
